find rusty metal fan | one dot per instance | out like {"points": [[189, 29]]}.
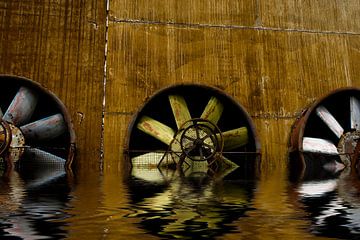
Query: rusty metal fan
{"points": [[35, 127], [330, 129], [187, 125]]}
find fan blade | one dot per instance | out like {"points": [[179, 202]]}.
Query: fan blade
{"points": [[45, 166], [213, 110], [144, 167], [318, 145], [330, 121], [45, 129], [148, 159], [234, 138], [355, 113], [180, 109], [1, 114], [40, 157], [156, 129], [45, 176], [153, 159], [22, 107]]}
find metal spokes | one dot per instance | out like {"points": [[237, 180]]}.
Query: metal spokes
{"points": [[199, 142]]}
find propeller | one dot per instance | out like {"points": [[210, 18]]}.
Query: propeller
{"points": [[18, 114], [199, 137], [327, 146]]}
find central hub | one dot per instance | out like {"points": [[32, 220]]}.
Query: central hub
{"points": [[200, 140], [12, 141]]}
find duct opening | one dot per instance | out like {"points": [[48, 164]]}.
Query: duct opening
{"points": [[36, 125], [329, 132], [191, 125]]}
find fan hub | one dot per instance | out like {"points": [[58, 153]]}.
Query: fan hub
{"points": [[198, 142], [11, 140], [347, 146]]}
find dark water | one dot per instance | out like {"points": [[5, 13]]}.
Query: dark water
{"points": [[152, 204]]}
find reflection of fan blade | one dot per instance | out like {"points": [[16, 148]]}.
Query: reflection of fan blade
{"points": [[234, 194], [227, 167], [37, 156], [180, 109], [355, 113], [333, 166], [44, 129], [149, 174], [16, 185], [213, 110], [235, 138], [330, 121], [22, 107], [318, 145], [196, 167], [317, 188], [21, 227], [156, 129], [159, 202], [148, 159]]}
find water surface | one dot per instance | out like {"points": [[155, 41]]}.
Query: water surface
{"points": [[54, 204]]}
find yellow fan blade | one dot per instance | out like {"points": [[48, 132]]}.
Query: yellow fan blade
{"points": [[156, 129], [213, 110], [148, 159], [180, 109], [235, 138]]}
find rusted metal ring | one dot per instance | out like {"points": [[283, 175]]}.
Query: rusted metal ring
{"points": [[5, 135]]}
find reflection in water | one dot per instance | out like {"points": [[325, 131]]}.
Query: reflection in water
{"points": [[32, 202], [332, 201], [197, 205], [188, 204]]}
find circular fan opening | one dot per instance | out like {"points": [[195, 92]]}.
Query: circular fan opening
{"points": [[192, 126], [329, 131], [35, 125]]}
